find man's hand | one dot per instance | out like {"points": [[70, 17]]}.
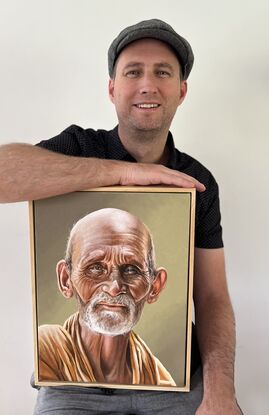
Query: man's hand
{"points": [[219, 407], [153, 174]]}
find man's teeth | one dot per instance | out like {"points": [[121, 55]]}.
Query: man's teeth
{"points": [[147, 105]]}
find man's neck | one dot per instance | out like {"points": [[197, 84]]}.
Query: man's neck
{"points": [[146, 146], [108, 356]]}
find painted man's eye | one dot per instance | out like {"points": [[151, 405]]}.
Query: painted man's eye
{"points": [[96, 269], [130, 270]]}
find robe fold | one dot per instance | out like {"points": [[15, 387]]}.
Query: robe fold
{"points": [[62, 357]]}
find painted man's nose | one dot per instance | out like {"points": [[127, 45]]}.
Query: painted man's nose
{"points": [[115, 285], [114, 288]]}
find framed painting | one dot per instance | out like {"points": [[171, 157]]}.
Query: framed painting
{"points": [[112, 272]]}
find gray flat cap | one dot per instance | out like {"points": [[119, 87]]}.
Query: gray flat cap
{"points": [[155, 29]]}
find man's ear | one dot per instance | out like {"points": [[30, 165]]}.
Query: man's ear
{"points": [[111, 90], [63, 279], [183, 91], [157, 285]]}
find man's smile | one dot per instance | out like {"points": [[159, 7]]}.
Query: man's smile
{"points": [[146, 105]]}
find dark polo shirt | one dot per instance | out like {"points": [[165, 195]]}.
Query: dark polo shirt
{"points": [[79, 142]]}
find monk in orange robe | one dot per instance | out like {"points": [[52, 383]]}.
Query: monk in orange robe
{"points": [[110, 269]]}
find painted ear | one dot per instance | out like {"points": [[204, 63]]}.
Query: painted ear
{"points": [[63, 279], [157, 285]]}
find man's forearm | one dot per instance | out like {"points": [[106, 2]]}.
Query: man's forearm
{"points": [[216, 333], [28, 172], [216, 337]]}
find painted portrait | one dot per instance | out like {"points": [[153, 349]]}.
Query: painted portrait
{"points": [[112, 288]]}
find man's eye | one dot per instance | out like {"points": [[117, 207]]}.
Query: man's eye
{"points": [[96, 269], [163, 74], [130, 270], [133, 74]]}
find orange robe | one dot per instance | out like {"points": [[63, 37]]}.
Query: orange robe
{"points": [[62, 357]]}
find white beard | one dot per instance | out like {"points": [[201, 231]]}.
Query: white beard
{"points": [[109, 322]]}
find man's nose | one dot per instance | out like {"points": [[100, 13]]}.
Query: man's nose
{"points": [[148, 84], [115, 285]]}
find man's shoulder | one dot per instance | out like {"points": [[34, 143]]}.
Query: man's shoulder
{"points": [[79, 141], [75, 130], [53, 335], [80, 132]]}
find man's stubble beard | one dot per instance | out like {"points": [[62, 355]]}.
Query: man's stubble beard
{"points": [[109, 322], [145, 128]]}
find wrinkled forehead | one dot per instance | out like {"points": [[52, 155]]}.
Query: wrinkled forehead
{"points": [[122, 236]]}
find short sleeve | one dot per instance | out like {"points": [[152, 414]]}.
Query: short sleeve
{"points": [[66, 142], [208, 217]]}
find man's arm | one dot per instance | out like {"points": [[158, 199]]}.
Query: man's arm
{"points": [[216, 333], [28, 172]]}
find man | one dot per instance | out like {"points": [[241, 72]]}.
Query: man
{"points": [[110, 269], [149, 64]]}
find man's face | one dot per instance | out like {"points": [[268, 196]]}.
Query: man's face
{"points": [[146, 89], [110, 277]]}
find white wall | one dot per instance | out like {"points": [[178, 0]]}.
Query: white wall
{"points": [[53, 73]]}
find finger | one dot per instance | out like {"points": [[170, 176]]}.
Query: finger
{"points": [[184, 180], [144, 174], [175, 178]]}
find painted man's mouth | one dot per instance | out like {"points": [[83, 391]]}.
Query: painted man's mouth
{"points": [[114, 306]]}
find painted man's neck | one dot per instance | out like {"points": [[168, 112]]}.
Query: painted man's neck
{"points": [[103, 352]]}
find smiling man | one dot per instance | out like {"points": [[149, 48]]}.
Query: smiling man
{"points": [[110, 269], [149, 64], [146, 91]]}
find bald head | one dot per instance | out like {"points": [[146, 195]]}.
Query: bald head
{"points": [[107, 227]]}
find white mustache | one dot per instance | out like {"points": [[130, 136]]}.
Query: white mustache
{"points": [[121, 299], [110, 322]]}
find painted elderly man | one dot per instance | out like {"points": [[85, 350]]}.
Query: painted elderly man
{"points": [[110, 269]]}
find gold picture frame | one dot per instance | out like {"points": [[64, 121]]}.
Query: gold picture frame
{"points": [[165, 325]]}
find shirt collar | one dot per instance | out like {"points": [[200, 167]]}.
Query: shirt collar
{"points": [[172, 157], [118, 151]]}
